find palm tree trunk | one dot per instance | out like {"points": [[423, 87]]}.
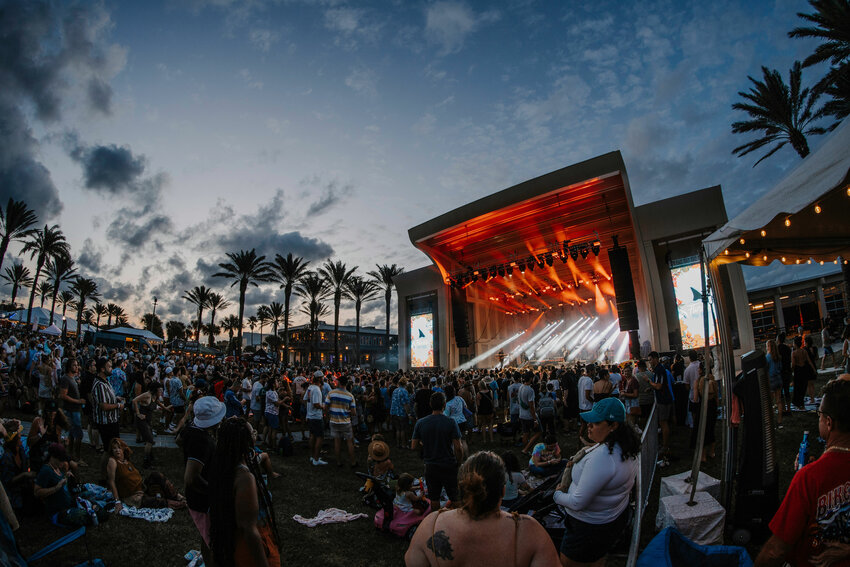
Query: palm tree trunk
{"points": [[276, 350], [80, 307], [357, 333], [286, 293], [212, 326], [337, 301], [242, 289], [14, 291], [38, 267], [53, 305], [388, 297], [4, 244], [200, 319]]}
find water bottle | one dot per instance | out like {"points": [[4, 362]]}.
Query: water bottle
{"points": [[803, 454]]}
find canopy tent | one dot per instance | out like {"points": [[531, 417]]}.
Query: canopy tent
{"points": [[138, 333], [41, 317], [52, 331], [804, 218]]}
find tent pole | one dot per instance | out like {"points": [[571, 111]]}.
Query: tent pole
{"points": [[703, 409]]}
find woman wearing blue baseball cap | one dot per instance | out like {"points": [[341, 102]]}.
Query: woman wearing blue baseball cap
{"points": [[596, 484]]}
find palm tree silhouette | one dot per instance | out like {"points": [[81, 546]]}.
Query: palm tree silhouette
{"points": [[313, 289], [359, 290], [60, 271], [111, 311], [18, 276], [16, 223], [264, 318], [84, 289], [175, 330], [384, 276], [45, 288], [42, 246], [252, 324], [337, 275], [244, 268], [288, 272], [230, 324], [200, 297], [781, 112], [275, 317], [831, 20], [215, 302], [100, 311]]}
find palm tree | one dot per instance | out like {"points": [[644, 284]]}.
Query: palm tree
{"points": [[215, 302], [200, 297], [100, 311], [84, 289], [313, 289], [831, 21], [781, 112], [275, 317], [66, 298], [60, 271], [230, 324], [252, 323], [337, 275], [288, 271], [43, 245], [16, 223], [359, 290], [264, 318], [384, 278], [211, 331], [88, 318], [152, 323], [18, 276], [45, 288], [175, 330], [245, 268], [111, 311]]}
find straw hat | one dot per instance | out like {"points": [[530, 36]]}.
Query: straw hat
{"points": [[379, 451]]}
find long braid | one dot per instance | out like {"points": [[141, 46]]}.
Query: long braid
{"points": [[265, 499], [228, 454]]}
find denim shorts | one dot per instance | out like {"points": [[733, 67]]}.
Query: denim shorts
{"points": [[76, 426], [272, 420]]}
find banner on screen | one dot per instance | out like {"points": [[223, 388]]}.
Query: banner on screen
{"points": [[422, 340], [687, 285]]}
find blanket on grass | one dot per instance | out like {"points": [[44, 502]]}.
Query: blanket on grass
{"points": [[329, 516]]}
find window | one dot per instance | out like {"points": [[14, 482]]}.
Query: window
{"points": [[834, 298], [764, 323]]}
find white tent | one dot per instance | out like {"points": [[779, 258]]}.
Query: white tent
{"points": [[41, 317], [52, 330]]}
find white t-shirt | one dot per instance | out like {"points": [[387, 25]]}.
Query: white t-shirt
{"points": [[525, 398], [271, 398], [585, 384], [615, 378], [555, 384], [247, 390], [691, 377], [313, 396], [255, 395], [299, 384]]}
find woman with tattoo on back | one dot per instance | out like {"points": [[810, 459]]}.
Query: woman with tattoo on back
{"points": [[478, 532]]}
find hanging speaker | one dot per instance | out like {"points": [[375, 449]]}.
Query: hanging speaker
{"points": [[460, 318], [624, 287]]}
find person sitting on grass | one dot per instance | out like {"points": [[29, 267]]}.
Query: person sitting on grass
{"points": [[407, 499], [516, 484], [125, 482], [51, 486], [546, 457], [378, 463]]}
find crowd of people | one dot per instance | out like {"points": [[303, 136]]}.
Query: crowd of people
{"points": [[227, 416]]}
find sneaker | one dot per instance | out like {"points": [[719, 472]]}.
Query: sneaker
{"points": [[317, 462]]}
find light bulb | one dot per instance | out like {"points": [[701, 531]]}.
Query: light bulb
{"points": [[788, 222], [763, 233], [764, 258], [747, 254], [742, 241], [818, 209], [783, 259], [726, 251]]}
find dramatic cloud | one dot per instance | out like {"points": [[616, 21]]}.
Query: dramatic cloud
{"points": [[90, 259], [133, 234], [109, 169]]}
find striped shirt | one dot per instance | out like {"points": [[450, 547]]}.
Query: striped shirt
{"points": [[102, 392], [341, 404]]}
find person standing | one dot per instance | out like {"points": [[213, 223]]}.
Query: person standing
{"points": [[198, 451], [528, 413], [399, 412], [662, 384], [315, 417], [69, 393], [341, 408], [439, 436], [826, 339], [804, 370], [785, 358], [691, 377], [106, 406]]}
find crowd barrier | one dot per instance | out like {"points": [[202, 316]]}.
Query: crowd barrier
{"points": [[647, 460]]}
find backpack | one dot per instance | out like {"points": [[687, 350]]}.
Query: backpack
{"points": [[546, 406]]}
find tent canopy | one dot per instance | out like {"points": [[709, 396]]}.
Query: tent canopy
{"points": [[41, 316], [52, 330], [803, 218]]}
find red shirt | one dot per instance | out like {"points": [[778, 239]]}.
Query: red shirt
{"points": [[816, 508]]}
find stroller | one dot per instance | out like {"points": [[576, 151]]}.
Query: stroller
{"points": [[387, 518]]}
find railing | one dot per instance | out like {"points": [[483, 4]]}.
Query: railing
{"points": [[647, 460]]}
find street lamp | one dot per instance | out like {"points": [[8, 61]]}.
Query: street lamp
{"points": [[64, 326], [153, 316]]}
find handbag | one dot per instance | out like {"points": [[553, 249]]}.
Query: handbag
{"points": [[567, 476]]}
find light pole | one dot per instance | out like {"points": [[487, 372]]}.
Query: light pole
{"points": [[153, 316], [65, 327]]}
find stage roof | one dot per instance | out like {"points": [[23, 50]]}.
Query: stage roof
{"points": [[579, 205]]}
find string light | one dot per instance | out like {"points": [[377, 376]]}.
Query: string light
{"points": [[798, 260], [821, 262], [764, 258], [763, 233], [742, 241], [809, 261], [726, 251], [788, 221], [747, 254], [783, 259], [818, 209]]}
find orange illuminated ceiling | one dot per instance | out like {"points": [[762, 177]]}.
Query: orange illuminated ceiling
{"points": [[500, 234]]}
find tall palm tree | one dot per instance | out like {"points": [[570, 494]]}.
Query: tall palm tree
{"points": [[264, 318], [245, 268], [111, 311], [288, 271], [384, 276], [175, 330], [275, 317], [211, 331], [87, 317], [16, 223], [252, 324], [230, 324], [42, 246], [120, 315], [66, 298], [359, 290], [215, 302], [831, 20], [199, 296], [337, 275], [84, 289], [18, 276], [100, 311], [313, 289], [45, 288], [60, 271], [781, 112]]}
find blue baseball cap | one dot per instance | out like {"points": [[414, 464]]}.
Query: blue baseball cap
{"points": [[609, 409]]}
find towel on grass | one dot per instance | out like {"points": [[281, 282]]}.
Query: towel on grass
{"points": [[329, 516], [147, 514]]}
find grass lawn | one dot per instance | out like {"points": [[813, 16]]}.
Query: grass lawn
{"points": [[305, 490]]}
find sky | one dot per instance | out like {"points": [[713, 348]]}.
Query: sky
{"points": [[161, 135]]}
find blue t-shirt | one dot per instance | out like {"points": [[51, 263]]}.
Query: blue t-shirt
{"points": [[231, 404], [116, 380], [58, 501], [400, 399]]}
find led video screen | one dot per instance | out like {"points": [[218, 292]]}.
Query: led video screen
{"points": [[422, 340], [687, 285]]}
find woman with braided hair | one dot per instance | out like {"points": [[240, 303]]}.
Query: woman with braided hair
{"points": [[478, 532], [243, 530]]}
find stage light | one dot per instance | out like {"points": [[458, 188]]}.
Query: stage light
{"points": [[540, 261], [595, 247], [549, 259], [584, 251], [521, 265], [510, 270], [574, 253], [502, 271], [530, 263]]}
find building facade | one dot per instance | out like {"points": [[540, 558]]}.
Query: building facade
{"points": [[308, 347]]}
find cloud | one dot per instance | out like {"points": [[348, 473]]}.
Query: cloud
{"points": [[109, 169], [250, 81], [351, 26], [330, 193], [263, 39], [90, 258], [362, 80], [133, 233], [448, 24]]}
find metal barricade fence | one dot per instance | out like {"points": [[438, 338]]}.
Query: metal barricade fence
{"points": [[647, 460]]}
